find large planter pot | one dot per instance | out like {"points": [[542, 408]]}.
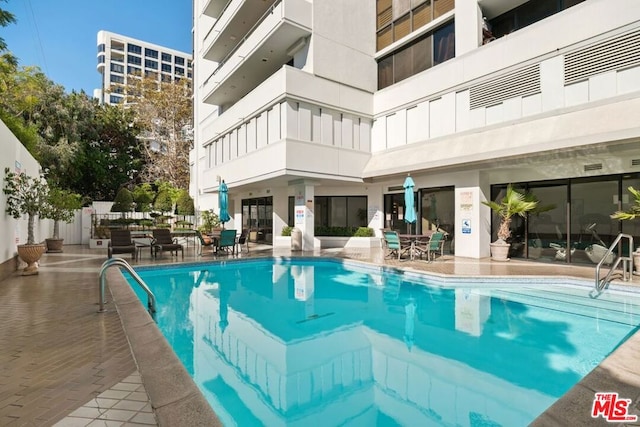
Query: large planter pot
{"points": [[500, 250], [636, 263], [54, 245], [31, 254]]}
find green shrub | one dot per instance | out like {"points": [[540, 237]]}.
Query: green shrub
{"points": [[123, 201], [145, 222], [364, 232], [344, 231], [286, 230]]}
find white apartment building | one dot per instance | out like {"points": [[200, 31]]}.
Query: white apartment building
{"points": [[315, 112], [121, 57]]}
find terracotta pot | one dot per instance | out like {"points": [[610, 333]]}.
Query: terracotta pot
{"points": [[31, 254], [500, 251], [54, 245]]}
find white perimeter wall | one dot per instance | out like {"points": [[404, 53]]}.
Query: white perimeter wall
{"points": [[14, 232]]}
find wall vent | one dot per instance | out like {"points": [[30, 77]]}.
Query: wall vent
{"points": [[609, 55], [593, 167], [395, 188], [635, 162], [523, 82]]}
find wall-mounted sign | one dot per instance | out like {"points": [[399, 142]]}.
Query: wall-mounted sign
{"points": [[466, 226]]}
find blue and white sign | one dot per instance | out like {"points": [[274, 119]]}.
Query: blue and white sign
{"points": [[466, 226]]}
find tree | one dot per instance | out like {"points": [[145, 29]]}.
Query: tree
{"points": [[61, 206], [164, 112], [26, 195], [184, 204], [6, 18], [123, 201], [143, 196], [163, 202]]}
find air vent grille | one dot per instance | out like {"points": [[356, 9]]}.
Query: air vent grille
{"points": [[635, 162], [593, 167], [616, 54], [523, 82]]}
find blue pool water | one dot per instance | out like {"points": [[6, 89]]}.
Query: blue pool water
{"points": [[321, 342]]}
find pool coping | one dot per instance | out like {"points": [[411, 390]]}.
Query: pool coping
{"points": [[177, 400]]}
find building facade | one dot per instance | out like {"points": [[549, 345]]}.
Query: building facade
{"points": [[315, 112], [121, 57]]}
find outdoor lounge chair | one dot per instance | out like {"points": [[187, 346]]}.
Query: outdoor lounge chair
{"points": [[162, 241], [433, 245], [121, 243], [227, 241], [205, 241]]}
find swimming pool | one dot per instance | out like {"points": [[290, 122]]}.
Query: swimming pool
{"points": [[322, 342]]}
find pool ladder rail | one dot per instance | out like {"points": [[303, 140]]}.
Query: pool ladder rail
{"points": [[627, 265], [151, 299]]}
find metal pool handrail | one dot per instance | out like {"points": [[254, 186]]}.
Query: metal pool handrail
{"points": [[626, 264], [151, 302]]}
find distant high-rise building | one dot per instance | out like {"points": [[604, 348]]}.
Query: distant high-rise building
{"points": [[121, 57]]}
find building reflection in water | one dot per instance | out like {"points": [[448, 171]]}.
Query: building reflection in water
{"points": [[306, 347]]}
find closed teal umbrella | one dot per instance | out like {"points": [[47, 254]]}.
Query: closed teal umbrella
{"points": [[223, 200], [409, 203]]}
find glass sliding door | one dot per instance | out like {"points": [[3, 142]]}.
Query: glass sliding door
{"points": [[257, 218], [592, 229], [631, 227], [437, 212]]}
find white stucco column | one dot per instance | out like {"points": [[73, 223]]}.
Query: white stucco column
{"points": [[304, 212], [473, 223]]}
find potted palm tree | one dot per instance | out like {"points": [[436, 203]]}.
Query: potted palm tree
{"points": [[632, 213], [513, 203], [26, 195], [61, 206]]}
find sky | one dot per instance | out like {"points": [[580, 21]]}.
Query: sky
{"points": [[60, 36]]}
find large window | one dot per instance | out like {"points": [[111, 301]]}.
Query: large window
{"points": [[151, 53], [573, 222], [427, 51], [398, 18], [335, 211], [135, 60], [528, 13], [134, 48]]}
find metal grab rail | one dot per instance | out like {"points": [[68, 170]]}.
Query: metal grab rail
{"points": [[151, 302], [625, 260]]}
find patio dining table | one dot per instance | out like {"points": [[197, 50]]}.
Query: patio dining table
{"points": [[413, 239]]}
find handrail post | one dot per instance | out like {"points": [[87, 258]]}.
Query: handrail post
{"points": [[627, 265], [151, 303]]}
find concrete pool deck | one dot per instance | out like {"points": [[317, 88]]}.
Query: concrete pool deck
{"points": [[62, 363]]}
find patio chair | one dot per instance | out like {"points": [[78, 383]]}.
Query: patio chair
{"points": [[393, 244], [227, 241], [121, 243], [242, 240], [433, 245], [205, 241], [163, 241]]}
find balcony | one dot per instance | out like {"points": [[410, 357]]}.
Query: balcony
{"points": [[262, 51], [214, 8], [237, 20]]}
